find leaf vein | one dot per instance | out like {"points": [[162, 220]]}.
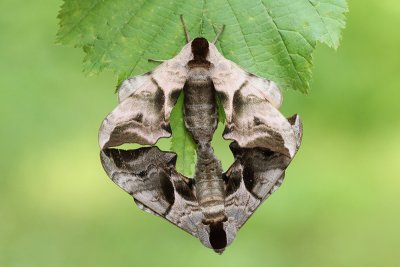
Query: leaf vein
{"points": [[144, 51], [323, 22], [89, 11], [241, 30], [284, 45]]}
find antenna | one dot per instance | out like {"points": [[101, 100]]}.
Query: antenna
{"points": [[219, 34], [187, 36]]}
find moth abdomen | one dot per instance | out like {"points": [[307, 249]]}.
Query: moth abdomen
{"points": [[209, 184], [200, 111]]}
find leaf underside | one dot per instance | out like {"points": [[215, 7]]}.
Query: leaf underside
{"points": [[270, 38], [182, 141]]}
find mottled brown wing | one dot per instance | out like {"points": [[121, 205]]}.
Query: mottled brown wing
{"points": [[255, 175], [143, 173], [148, 175], [256, 123], [251, 107], [146, 101]]}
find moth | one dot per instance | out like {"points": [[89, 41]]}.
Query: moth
{"points": [[213, 205]]}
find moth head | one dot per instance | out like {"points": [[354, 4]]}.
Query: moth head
{"points": [[218, 238], [217, 235], [200, 47]]}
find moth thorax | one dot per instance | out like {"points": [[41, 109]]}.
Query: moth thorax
{"points": [[199, 75]]}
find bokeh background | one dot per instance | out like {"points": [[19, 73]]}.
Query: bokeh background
{"points": [[339, 205]]}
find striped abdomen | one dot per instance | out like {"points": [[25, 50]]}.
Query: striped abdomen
{"points": [[201, 119]]}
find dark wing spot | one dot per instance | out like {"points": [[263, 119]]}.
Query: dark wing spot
{"points": [[238, 102], [115, 156], [166, 127], [248, 177], [232, 182], [159, 98], [142, 173], [222, 97], [172, 160], [185, 190], [278, 140], [243, 85], [174, 96], [236, 150], [267, 154], [257, 121], [167, 188], [138, 117], [227, 130], [292, 120]]}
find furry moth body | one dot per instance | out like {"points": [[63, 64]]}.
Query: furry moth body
{"points": [[201, 119], [214, 205]]}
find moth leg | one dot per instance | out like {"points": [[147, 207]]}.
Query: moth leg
{"points": [[187, 36], [219, 34], [156, 60], [297, 127]]}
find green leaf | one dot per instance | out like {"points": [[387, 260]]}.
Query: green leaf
{"points": [[182, 142], [270, 38], [274, 39], [221, 111]]}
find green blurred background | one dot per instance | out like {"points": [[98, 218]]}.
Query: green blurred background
{"points": [[339, 205]]}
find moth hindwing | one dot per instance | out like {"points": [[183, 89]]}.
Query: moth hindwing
{"points": [[213, 205]]}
